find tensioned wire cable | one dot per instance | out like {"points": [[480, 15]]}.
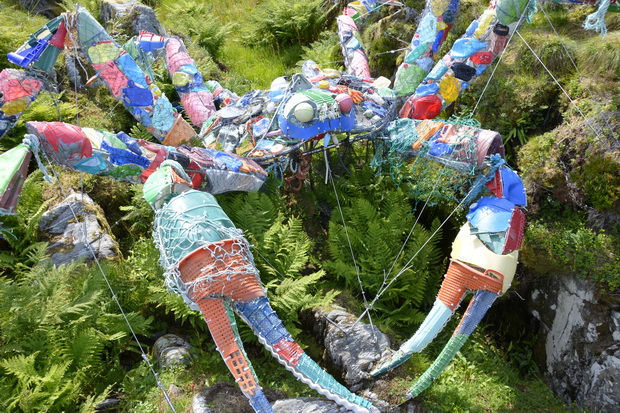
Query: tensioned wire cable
{"points": [[561, 88], [574, 64], [114, 296], [346, 231]]}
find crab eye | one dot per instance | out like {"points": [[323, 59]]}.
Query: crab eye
{"points": [[304, 112]]}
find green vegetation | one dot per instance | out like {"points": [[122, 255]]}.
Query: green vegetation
{"points": [[64, 346]]}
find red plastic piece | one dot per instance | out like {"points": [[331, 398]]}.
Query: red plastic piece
{"points": [[290, 350], [426, 107], [482, 58], [68, 141], [514, 236], [496, 185], [58, 39]]}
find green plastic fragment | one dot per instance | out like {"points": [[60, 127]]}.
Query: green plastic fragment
{"points": [[447, 354]]}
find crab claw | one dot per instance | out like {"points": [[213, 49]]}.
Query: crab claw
{"points": [[210, 264], [478, 306], [273, 335], [470, 258]]}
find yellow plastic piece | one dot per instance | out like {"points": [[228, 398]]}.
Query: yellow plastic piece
{"points": [[381, 82], [156, 91], [470, 250], [449, 88], [323, 84], [94, 137], [484, 21], [103, 52], [439, 6], [331, 73], [181, 78], [16, 106], [441, 25]]}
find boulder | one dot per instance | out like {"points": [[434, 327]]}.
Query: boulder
{"points": [[353, 348], [227, 398], [172, 350], [75, 230], [307, 405], [579, 341], [140, 16], [47, 8]]}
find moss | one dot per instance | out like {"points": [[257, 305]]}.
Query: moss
{"points": [[599, 178]]}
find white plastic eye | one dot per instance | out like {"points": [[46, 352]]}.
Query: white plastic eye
{"points": [[304, 112]]}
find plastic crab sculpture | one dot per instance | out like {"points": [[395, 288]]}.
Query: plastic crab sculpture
{"points": [[207, 260]]}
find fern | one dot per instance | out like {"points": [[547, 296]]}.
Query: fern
{"points": [[378, 218], [62, 338]]}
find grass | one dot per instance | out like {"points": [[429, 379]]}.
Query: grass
{"points": [[481, 379]]}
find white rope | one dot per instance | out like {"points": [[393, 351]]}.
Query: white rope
{"points": [[606, 120], [408, 266], [560, 86], [357, 271]]}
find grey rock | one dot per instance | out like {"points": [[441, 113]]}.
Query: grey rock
{"points": [[48, 8], [172, 350], [352, 348], [108, 405], [145, 19], [142, 17], [115, 9], [72, 239], [307, 405], [199, 404], [579, 342]]}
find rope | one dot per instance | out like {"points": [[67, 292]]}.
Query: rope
{"points": [[561, 87], [115, 298], [596, 20], [407, 266], [346, 231]]}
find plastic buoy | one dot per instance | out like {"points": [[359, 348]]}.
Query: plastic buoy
{"points": [[304, 112]]}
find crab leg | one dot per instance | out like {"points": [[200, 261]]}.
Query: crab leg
{"points": [[432, 31], [484, 39]]}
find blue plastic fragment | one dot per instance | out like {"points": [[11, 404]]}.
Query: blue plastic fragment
{"points": [[137, 96], [490, 215], [225, 161], [428, 89], [150, 45], [437, 42], [131, 69], [122, 156], [478, 307], [425, 63], [32, 54], [259, 402], [465, 47], [131, 143], [440, 148], [438, 71], [93, 165], [472, 28], [261, 317], [514, 191]]}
